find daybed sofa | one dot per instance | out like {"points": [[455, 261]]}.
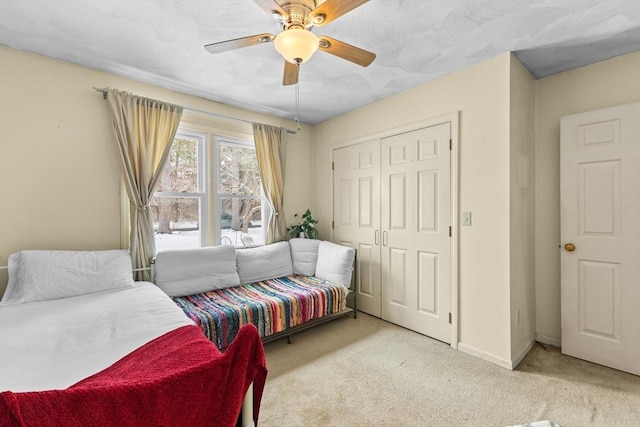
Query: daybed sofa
{"points": [[280, 288]]}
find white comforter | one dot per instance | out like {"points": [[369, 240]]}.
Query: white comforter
{"points": [[53, 344]]}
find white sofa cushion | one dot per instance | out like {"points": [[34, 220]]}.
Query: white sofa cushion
{"points": [[304, 255], [40, 275], [335, 263], [264, 262], [184, 272]]}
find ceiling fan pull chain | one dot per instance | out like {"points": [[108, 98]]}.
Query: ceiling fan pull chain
{"points": [[297, 104]]}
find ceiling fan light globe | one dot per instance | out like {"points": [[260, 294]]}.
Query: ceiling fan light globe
{"points": [[296, 45]]}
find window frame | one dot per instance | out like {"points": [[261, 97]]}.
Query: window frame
{"points": [[218, 140], [203, 184], [208, 134]]}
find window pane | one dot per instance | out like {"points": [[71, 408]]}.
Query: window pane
{"points": [[176, 222], [181, 171], [241, 222], [238, 170]]}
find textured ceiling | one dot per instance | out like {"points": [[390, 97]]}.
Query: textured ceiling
{"points": [[161, 42]]}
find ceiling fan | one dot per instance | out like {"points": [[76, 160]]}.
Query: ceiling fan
{"points": [[296, 43]]}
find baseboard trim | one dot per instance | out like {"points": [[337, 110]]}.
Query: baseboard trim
{"points": [[523, 353], [484, 356], [549, 341]]}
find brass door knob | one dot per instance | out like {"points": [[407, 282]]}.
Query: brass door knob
{"points": [[570, 247]]}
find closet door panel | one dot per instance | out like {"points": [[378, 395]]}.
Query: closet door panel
{"points": [[428, 281], [415, 215], [356, 213], [398, 201], [397, 285], [367, 255], [428, 201]]}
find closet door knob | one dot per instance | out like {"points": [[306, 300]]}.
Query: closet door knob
{"points": [[570, 247], [376, 238]]}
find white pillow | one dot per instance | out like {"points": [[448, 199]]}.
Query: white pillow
{"points": [[47, 275], [335, 263], [304, 255], [264, 262], [195, 271]]}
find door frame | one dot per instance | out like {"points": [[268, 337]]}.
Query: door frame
{"points": [[453, 119]]}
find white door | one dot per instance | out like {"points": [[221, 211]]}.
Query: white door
{"points": [[600, 231], [416, 242], [356, 216]]}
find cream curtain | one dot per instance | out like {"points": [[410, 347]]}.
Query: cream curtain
{"points": [[270, 151], [144, 130]]}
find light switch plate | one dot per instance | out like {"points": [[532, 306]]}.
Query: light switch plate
{"points": [[466, 218]]}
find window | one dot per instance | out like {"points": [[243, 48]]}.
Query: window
{"points": [[180, 209], [240, 205], [179, 203]]}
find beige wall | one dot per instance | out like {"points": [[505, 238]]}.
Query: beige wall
{"points": [[604, 84], [522, 292], [481, 94], [59, 176]]}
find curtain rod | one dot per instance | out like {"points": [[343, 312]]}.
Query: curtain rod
{"points": [[104, 91]]}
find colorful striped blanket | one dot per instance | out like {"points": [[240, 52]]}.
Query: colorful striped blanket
{"points": [[271, 305]]}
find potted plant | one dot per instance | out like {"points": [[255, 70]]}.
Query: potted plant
{"points": [[306, 228]]}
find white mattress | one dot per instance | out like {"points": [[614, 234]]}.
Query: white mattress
{"points": [[48, 345]]}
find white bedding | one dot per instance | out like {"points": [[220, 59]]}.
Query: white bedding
{"points": [[53, 344]]}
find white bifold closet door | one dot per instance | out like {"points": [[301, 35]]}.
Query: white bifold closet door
{"points": [[392, 202], [416, 246], [356, 216]]}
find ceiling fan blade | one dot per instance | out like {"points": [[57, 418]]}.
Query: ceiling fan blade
{"points": [[333, 9], [291, 71], [239, 43], [270, 6], [346, 51]]}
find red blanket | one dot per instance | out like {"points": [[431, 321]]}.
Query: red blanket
{"points": [[180, 378]]}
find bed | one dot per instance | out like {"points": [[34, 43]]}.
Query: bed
{"points": [[82, 344]]}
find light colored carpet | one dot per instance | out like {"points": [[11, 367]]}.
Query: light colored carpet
{"points": [[367, 372]]}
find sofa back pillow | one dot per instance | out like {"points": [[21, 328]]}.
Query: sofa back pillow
{"points": [[264, 262], [184, 272], [39, 275], [335, 263], [304, 255]]}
